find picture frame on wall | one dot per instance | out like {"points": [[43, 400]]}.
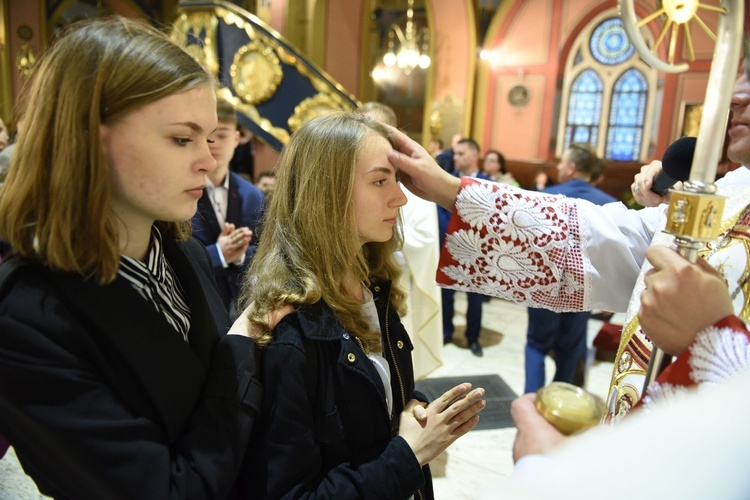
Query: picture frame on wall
{"points": [[690, 118], [689, 125]]}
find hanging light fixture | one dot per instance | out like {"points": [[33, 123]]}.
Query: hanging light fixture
{"points": [[413, 45]]}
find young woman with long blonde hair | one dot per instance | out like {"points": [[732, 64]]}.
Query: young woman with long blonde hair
{"points": [[339, 414]]}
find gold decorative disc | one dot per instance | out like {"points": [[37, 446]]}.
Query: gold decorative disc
{"points": [[256, 72], [312, 107]]}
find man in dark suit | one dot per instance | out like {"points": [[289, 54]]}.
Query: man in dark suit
{"points": [[228, 216], [445, 158], [243, 161], [466, 158]]}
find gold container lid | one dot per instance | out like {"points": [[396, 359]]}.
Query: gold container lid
{"points": [[569, 408]]}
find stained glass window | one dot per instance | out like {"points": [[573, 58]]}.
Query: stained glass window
{"points": [[584, 108], [626, 116], [608, 93], [609, 43]]}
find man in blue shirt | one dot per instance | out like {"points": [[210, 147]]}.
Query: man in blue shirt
{"points": [[564, 333]]}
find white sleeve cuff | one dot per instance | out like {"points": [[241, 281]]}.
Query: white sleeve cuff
{"points": [[221, 257]]}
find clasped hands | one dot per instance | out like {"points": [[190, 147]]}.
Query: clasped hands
{"points": [[233, 242], [431, 428]]}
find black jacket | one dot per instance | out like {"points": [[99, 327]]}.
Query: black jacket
{"points": [[324, 429], [102, 398]]}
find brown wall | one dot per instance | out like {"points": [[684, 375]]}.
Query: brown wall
{"points": [[344, 42]]}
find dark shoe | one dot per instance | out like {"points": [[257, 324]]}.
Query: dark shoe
{"points": [[447, 340], [476, 349]]}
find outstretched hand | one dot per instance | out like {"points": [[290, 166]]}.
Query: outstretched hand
{"points": [[535, 435], [430, 430], [419, 172], [681, 299]]}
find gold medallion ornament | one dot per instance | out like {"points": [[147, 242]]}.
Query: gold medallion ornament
{"points": [[260, 72], [312, 107], [256, 72]]}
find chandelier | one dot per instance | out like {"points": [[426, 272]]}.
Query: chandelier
{"points": [[414, 45]]}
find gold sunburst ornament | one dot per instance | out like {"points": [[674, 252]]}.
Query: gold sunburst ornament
{"points": [[679, 14], [695, 212]]}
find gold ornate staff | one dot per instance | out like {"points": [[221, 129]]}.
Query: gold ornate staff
{"points": [[694, 214]]}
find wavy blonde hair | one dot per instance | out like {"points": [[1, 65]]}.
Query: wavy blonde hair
{"points": [[55, 203], [310, 243]]}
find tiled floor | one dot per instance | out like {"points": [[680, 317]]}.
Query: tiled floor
{"points": [[477, 459]]}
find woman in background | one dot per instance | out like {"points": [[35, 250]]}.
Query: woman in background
{"points": [[493, 166]]}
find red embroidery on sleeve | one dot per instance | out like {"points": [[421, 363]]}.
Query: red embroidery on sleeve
{"points": [[514, 244]]}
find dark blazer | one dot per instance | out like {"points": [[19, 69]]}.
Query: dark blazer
{"points": [[244, 209], [445, 160], [243, 160], [324, 429], [102, 398]]}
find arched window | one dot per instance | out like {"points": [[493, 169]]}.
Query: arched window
{"points": [[608, 93], [584, 108], [627, 115]]}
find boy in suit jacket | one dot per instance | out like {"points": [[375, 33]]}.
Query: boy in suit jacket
{"points": [[229, 212]]}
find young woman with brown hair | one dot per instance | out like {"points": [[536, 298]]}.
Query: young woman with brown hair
{"points": [[116, 378]]}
